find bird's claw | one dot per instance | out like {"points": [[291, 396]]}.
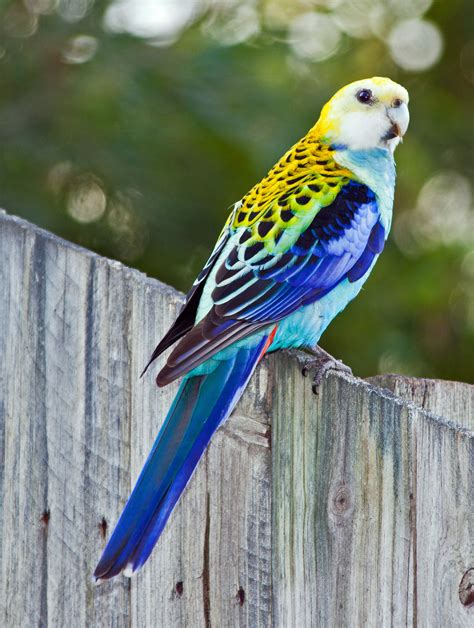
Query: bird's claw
{"points": [[322, 365]]}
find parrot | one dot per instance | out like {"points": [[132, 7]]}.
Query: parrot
{"points": [[294, 251]]}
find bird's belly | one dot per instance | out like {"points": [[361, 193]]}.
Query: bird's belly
{"points": [[305, 327]]}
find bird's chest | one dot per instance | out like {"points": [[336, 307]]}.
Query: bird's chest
{"points": [[376, 169], [305, 327]]}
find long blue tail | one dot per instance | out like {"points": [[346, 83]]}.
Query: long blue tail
{"points": [[202, 403]]}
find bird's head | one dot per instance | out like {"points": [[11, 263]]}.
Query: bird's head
{"points": [[372, 113]]}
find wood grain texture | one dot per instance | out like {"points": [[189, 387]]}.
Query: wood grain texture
{"points": [[355, 509], [452, 400], [372, 508], [76, 426]]}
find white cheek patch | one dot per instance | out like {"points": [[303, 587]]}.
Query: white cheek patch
{"points": [[363, 129]]}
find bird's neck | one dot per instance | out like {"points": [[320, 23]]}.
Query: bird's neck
{"points": [[375, 167]]}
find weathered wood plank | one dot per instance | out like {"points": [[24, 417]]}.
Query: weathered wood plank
{"points": [[77, 425], [342, 539], [443, 478], [372, 508], [359, 514], [443, 490], [66, 452]]}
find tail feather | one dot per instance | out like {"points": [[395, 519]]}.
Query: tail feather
{"points": [[202, 403]]}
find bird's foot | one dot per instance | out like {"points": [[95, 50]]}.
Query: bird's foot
{"points": [[322, 363]]}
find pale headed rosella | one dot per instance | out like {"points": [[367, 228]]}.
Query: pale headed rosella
{"points": [[294, 251]]}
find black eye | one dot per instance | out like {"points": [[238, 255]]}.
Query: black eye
{"points": [[365, 96], [397, 102]]}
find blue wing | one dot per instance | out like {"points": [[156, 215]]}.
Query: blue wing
{"points": [[254, 288]]}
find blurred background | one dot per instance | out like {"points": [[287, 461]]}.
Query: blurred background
{"points": [[131, 126]]}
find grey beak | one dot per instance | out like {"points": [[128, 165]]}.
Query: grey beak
{"points": [[400, 118]]}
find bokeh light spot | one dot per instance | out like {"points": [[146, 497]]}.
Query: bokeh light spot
{"points": [[443, 215], [443, 211], [352, 17], [126, 227], [155, 19], [234, 28], [86, 199], [80, 49], [415, 44], [17, 22], [74, 10], [59, 176], [314, 36]]}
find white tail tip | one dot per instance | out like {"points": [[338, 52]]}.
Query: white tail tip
{"points": [[128, 571]]}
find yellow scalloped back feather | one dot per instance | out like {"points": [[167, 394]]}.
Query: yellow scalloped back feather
{"points": [[305, 179]]}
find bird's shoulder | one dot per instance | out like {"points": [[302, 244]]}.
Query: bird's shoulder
{"points": [[305, 181]]}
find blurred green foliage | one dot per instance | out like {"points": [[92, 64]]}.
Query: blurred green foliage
{"points": [[135, 146]]}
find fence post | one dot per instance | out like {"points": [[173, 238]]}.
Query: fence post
{"points": [[350, 508]]}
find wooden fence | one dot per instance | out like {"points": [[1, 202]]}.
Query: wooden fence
{"points": [[351, 508]]}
